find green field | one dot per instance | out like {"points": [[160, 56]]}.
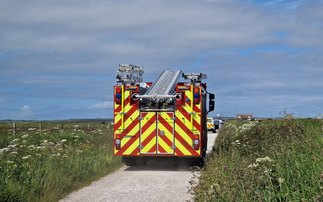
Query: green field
{"points": [[45, 165], [276, 160]]}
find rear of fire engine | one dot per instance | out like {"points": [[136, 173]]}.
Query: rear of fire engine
{"points": [[162, 119]]}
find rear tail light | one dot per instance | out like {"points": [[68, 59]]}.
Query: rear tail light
{"points": [[196, 92], [196, 142], [118, 141], [118, 95]]}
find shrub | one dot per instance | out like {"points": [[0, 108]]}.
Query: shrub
{"points": [[44, 166], [264, 161]]}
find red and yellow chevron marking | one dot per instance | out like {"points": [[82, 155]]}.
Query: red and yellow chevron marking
{"points": [[165, 133], [210, 125], [187, 124], [126, 123], [157, 133], [148, 138]]}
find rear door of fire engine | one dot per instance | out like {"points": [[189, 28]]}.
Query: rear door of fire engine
{"points": [[157, 133]]}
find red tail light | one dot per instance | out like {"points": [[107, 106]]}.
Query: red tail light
{"points": [[196, 92], [118, 96], [118, 141], [196, 141]]}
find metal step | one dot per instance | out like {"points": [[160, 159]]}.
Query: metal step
{"points": [[165, 84]]}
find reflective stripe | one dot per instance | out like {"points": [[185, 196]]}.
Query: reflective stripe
{"points": [[148, 133], [185, 125], [166, 125]]}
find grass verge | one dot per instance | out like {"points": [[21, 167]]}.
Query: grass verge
{"points": [[47, 165], [264, 161]]}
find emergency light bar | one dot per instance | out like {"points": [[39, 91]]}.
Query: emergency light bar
{"points": [[194, 77], [128, 73]]}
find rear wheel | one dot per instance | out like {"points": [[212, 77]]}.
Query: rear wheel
{"points": [[197, 161]]}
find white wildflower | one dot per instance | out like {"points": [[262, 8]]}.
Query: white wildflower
{"points": [[32, 129], [3, 150], [14, 152], [12, 146], [31, 146], [76, 136], [10, 162], [24, 141], [78, 151], [26, 157], [55, 128], [15, 140], [264, 159], [267, 171], [24, 136], [53, 154], [281, 180], [63, 140], [58, 154], [254, 165]]}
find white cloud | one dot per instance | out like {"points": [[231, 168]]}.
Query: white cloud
{"points": [[26, 113], [102, 105]]}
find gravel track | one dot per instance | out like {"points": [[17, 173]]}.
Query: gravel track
{"points": [[158, 181]]}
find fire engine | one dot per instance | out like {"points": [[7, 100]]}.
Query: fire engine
{"points": [[160, 119]]}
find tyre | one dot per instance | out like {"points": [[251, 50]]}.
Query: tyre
{"points": [[197, 161]]}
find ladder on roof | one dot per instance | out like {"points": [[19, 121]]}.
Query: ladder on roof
{"points": [[165, 83]]}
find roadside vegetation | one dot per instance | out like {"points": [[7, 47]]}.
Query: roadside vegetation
{"points": [[274, 160], [46, 165]]}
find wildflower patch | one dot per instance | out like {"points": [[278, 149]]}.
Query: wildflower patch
{"points": [[48, 163], [264, 161]]}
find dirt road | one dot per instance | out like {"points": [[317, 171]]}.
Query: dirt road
{"points": [[158, 181]]}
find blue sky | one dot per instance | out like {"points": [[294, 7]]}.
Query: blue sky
{"points": [[58, 59]]}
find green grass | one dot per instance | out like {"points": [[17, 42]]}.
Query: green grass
{"points": [[264, 161], [47, 165]]}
